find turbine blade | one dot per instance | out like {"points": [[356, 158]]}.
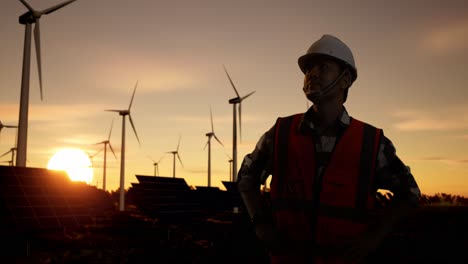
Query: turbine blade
{"points": [[178, 144], [110, 146], [37, 39], [6, 153], [133, 95], [112, 110], [206, 144], [230, 80], [217, 139], [97, 152], [27, 5], [160, 158], [178, 157], [211, 117], [134, 130], [149, 157], [58, 6], [247, 96], [112, 124]]}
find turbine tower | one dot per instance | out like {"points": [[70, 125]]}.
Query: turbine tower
{"points": [[174, 154], [230, 166], [6, 126], [124, 113], [235, 101], [27, 19], [106, 142], [208, 143]]}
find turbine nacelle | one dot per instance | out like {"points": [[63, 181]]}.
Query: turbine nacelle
{"points": [[235, 100]]}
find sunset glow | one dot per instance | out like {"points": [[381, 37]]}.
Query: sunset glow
{"points": [[75, 162]]}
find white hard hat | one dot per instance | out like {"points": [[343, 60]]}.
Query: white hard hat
{"points": [[331, 46]]}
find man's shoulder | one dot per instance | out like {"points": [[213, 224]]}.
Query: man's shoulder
{"points": [[298, 115], [353, 119]]}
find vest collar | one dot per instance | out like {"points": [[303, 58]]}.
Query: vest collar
{"points": [[306, 124]]}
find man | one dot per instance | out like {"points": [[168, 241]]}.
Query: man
{"points": [[326, 168]]}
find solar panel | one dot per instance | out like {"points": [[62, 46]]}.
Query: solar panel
{"points": [[33, 199], [165, 198], [234, 195]]}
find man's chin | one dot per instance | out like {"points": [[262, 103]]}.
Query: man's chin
{"points": [[313, 96]]}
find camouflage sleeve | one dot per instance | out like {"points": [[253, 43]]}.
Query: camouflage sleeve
{"points": [[254, 171], [393, 175], [257, 166]]}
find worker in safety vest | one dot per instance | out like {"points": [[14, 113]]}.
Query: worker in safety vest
{"points": [[326, 169]]}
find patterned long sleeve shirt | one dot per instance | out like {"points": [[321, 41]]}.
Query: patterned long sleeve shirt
{"points": [[391, 173]]}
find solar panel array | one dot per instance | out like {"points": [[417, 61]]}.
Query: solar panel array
{"points": [[34, 199], [164, 197], [172, 198]]}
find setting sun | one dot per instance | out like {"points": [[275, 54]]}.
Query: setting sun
{"points": [[75, 162]]}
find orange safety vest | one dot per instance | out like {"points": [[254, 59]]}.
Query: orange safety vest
{"points": [[316, 215]]}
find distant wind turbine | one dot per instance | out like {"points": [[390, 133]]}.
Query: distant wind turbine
{"points": [[124, 113], [156, 165], [174, 154], [208, 143], [106, 142], [230, 166], [91, 156], [235, 101], [12, 151], [6, 126], [27, 19]]}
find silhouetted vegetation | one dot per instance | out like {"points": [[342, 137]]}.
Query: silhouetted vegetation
{"points": [[443, 199]]}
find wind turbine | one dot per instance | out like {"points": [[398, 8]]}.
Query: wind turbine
{"points": [[174, 154], [106, 142], [235, 101], [156, 165], [27, 19], [5, 126], [12, 151], [208, 143], [91, 156], [230, 166], [124, 113]]}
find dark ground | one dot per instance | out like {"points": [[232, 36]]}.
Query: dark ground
{"points": [[434, 234]]}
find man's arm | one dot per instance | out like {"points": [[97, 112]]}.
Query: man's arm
{"points": [[255, 169], [392, 175]]}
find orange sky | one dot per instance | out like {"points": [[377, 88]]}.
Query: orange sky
{"points": [[411, 56]]}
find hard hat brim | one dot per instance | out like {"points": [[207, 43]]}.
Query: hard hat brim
{"points": [[304, 60]]}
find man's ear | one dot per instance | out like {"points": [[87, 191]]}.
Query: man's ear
{"points": [[347, 79]]}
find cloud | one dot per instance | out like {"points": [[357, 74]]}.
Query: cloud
{"points": [[447, 39], [443, 159], [449, 119], [152, 73]]}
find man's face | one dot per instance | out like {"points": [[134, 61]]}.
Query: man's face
{"points": [[320, 73]]}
